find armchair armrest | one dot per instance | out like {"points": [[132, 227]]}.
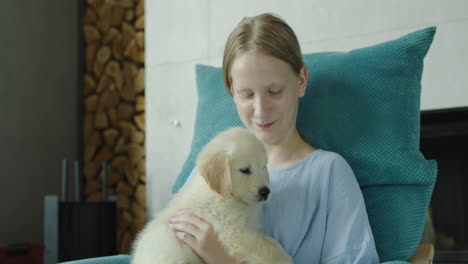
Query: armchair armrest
{"points": [[116, 259], [424, 254]]}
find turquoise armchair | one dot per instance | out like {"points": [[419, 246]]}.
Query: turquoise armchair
{"points": [[423, 255], [367, 103]]}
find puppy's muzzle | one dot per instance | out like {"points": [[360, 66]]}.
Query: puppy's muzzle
{"points": [[264, 192]]}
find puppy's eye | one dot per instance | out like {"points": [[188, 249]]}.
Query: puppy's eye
{"points": [[245, 171]]}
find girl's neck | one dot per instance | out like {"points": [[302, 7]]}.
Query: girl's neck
{"points": [[288, 152]]}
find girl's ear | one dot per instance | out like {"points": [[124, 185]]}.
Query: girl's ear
{"points": [[303, 76]]}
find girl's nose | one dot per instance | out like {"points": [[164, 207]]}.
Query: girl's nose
{"points": [[261, 106]]}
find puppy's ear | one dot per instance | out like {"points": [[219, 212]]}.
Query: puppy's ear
{"points": [[215, 168]]}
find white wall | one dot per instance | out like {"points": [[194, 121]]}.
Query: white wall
{"points": [[180, 34]]}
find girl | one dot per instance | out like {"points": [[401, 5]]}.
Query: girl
{"points": [[316, 210]]}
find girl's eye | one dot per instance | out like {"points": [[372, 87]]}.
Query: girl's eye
{"points": [[245, 171], [275, 92], [247, 95]]}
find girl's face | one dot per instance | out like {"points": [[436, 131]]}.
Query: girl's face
{"points": [[266, 92]]}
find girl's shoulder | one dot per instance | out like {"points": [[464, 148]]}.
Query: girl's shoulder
{"points": [[315, 172], [317, 159]]}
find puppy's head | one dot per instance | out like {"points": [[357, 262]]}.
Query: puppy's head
{"points": [[234, 164]]}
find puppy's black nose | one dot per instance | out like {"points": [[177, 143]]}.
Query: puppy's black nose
{"points": [[264, 192]]}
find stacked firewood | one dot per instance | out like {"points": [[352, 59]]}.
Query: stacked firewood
{"points": [[114, 105]]}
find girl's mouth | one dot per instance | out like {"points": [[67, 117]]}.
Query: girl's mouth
{"points": [[265, 126]]}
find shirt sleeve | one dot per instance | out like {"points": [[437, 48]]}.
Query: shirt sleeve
{"points": [[348, 236]]}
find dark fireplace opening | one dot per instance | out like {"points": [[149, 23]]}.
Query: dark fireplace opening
{"points": [[444, 137]]}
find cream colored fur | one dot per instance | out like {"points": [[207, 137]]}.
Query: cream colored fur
{"points": [[224, 195]]}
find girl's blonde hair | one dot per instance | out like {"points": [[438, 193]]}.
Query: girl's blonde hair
{"points": [[266, 33]]}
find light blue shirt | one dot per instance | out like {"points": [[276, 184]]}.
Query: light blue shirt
{"points": [[316, 211]]}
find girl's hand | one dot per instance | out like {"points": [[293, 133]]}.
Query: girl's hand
{"points": [[200, 235]]}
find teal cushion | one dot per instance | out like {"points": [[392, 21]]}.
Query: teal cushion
{"points": [[396, 215], [365, 105]]}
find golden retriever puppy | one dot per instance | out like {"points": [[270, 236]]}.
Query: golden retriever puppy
{"points": [[231, 183]]}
